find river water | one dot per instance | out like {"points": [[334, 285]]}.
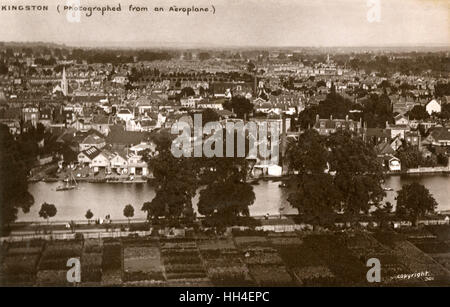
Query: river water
{"points": [[104, 198]]}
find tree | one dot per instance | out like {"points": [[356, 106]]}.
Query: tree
{"points": [[357, 173], [376, 111], [187, 92], [14, 193], [251, 67], [228, 199], [89, 215], [227, 194], [151, 210], [128, 212], [445, 111], [411, 157], [383, 213], [208, 116], [418, 112], [307, 117], [414, 201], [177, 182], [239, 105], [308, 154], [3, 69], [47, 211], [315, 195]]}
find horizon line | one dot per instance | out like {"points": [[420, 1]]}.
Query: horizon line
{"points": [[197, 45]]}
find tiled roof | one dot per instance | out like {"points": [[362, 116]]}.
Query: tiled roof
{"points": [[119, 136], [93, 139], [91, 152], [440, 133]]}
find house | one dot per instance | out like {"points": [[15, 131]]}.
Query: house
{"points": [[81, 124], [46, 116], [145, 124], [120, 138], [136, 166], [398, 130], [31, 114], [138, 149], [101, 123], [412, 138], [393, 163], [86, 156], [119, 163], [205, 104], [120, 79], [190, 102], [384, 149], [433, 107], [401, 119], [329, 126], [377, 135], [439, 136], [402, 105], [125, 115], [396, 143], [13, 125], [92, 140], [101, 161]]}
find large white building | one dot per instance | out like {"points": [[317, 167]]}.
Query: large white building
{"points": [[433, 107]]}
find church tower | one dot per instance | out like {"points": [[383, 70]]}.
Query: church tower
{"points": [[64, 84]]}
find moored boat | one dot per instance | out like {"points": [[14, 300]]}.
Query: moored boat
{"points": [[69, 184]]}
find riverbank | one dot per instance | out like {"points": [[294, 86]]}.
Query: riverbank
{"points": [[278, 223], [422, 171]]}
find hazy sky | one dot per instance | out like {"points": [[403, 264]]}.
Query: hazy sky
{"points": [[238, 23]]}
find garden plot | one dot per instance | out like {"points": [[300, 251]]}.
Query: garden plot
{"points": [[431, 246], [364, 247], [270, 275], [56, 254], [181, 260], [442, 232], [112, 262], [412, 257], [142, 263], [251, 241], [223, 262], [20, 269], [331, 250], [53, 264], [438, 250], [443, 259], [305, 266], [19, 262], [264, 263], [91, 261], [417, 262], [52, 278]]}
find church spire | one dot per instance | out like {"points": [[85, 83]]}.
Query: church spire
{"points": [[64, 86]]}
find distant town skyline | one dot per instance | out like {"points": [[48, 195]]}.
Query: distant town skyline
{"points": [[243, 23]]}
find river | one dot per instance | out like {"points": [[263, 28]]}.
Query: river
{"points": [[104, 198]]}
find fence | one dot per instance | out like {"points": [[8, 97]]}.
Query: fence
{"points": [[71, 236]]}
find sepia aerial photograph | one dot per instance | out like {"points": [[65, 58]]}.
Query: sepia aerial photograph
{"points": [[216, 144]]}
